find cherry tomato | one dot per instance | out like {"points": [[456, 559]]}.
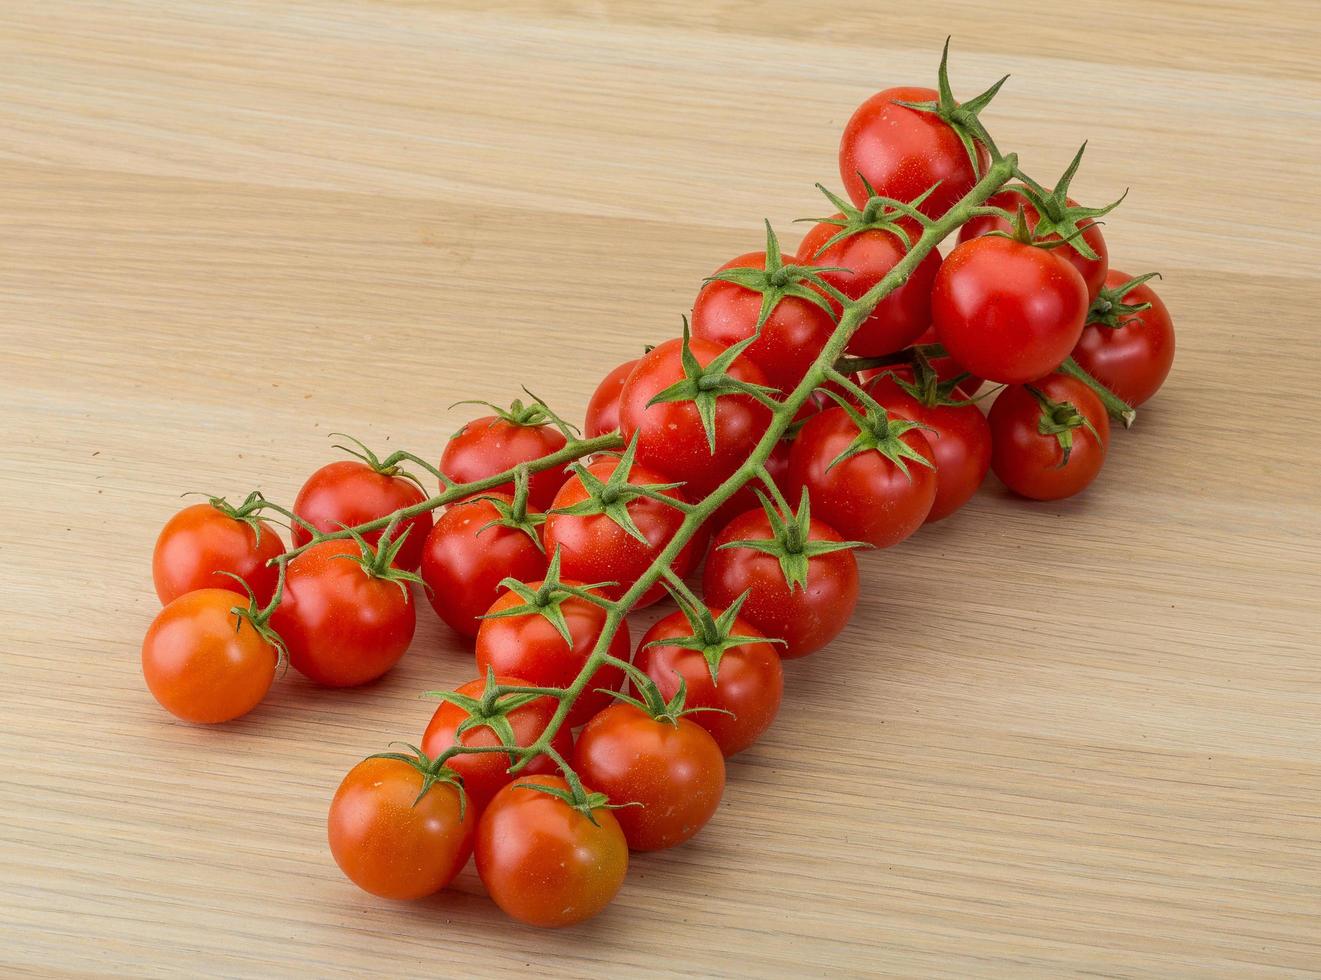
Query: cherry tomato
{"points": [[671, 766], [349, 493], [1093, 271], [959, 436], [341, 625], [467, 556], [203, 662], [868, 496], [864, 259], [543, 861], [495, 443], [749, 680], [1129, 353], [603, 409], [486, 773], [806, 617], [1007, 311], [392, 843], [787, 342], [671, 439], [528, 645], [945, 368], [595, 548], [201, 541], [903, 152], [1031, 462]]}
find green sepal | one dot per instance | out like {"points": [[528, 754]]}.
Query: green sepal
{"points": [[386, 467], [259, 619], [654, 703], [491, 710], [578, 798], [712, 636], [1109, 310], [534, 413], [927, 388], [248, 512], [432, 771], [546, 599], [1060, 419], [378, 562], [878, 214], [1056, 216], [515, 515], [612, 496], [877, 431]]}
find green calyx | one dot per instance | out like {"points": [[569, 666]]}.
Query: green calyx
{"points": [[260, 618], [248, 512], [1061, 419], [926, 387], [378, 562], [547, 598], [534, 413], [515, 515], [491, 710], [791, 543], [1111, 311], [612, 495], [961, 117], [1056, 216], [577, 797], [878, 214], [877, 430], [653, 702], [433, 771], [712, 636]]}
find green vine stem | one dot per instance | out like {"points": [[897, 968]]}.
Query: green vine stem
{"points": [[1116, 406]]}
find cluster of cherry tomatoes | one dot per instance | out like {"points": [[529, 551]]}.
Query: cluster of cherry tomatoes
{"points": [[547, 544]]}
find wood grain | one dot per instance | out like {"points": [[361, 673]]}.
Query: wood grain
{"points": [[1083, 738]]}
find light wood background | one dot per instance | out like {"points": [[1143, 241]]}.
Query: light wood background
{"points": [[1075, 738]]}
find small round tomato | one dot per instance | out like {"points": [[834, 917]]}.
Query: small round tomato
{"points": [[349, 493], [203, 661], [806, 614], [748, 681], [393, 842], [1049, 438], [670, 765], [882, 492], [671, 439], [958, 434], [495, 443], [603, 409], [486, 773], [1130, 352], [519, 638], [594, 547], [789, 339], [342, 624], [470, 551], [545, 862], [1008, 311], [202, 541]]}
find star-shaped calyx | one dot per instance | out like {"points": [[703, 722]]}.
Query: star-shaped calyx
{"points": [[878, 214], [1061, 420], [878, 431], [378, 561], [491, 710], [712, 635], [1111, 311], [927, 386], [546, 599], [534, 413], [791, 541], [612, 495], [432, 770]]}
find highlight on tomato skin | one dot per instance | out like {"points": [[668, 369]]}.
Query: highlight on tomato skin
{"points": [[200, 547]]}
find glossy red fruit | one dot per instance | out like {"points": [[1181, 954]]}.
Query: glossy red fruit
{"points": [[202, 541], [1035, 463], [1129, 351], [349, 493], [603, 408], [495, 443]]}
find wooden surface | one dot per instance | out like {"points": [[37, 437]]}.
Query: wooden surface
{"points": [[1081, 738]]}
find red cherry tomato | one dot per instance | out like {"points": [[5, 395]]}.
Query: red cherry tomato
{"points": [[492, 444], [1008, 311], [866, 497], [671, 766], [749, 680], [543, 861], [201, 541], [341, 625], [528, 645], [671, 439], [349, 493], [486, 773], [389, 841], [467, 557], [1032, 463], [603, 409], [1131, 356], [204, 663]]}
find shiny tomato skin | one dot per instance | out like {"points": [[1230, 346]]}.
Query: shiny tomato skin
{"points": [[866, 497], [593, 548], [671, 439], [348, 493], [960, 440], [1132, 360], [529, 646], [675, 769], [750, 681], [490, 445], [392, 844], [1028, 462], [202, 663], [200, 542], [745, 497], [464, 562], [545, 863], [806, 618], [867, 257], [1006, 311], [1093, 271], [902, 152], [790, 339], [603, 408], [486, 773], [341, 626]]}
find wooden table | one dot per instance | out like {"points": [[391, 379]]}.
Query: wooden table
{"points": [[1058, 739]]}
